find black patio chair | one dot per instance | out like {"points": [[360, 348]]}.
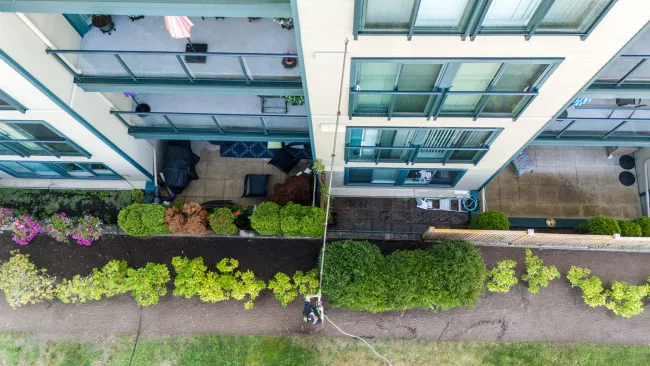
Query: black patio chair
{"points": [[285, 159], [256, 185]]}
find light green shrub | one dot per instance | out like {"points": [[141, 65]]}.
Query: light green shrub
{"points": [[148, 283], [644, 222], [592, 288], [307, 282], [297, 220], [23, 283], [229, 283], [106, 282], [222, 221], [625, 299], [502, 277], [283, 288], [266, 219], [143, 219], [190, 275], [490, 220], [537, 275]]}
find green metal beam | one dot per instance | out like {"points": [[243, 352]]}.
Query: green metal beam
{"points": [[151, 7], [183, 86], [591, 141], [611, 91]]}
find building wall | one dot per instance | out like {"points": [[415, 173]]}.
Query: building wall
{"points": [[325, 25], [25, 37]]}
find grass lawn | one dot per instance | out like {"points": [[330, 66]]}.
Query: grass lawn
{"points": [[25, 349]]}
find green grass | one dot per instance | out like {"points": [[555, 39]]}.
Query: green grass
{"points": [[17, 349]]}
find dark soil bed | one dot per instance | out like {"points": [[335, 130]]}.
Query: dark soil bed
{"points": [[264, 257]]}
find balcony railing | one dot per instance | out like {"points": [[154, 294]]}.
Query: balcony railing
{"points": [[625, 70], [597, 131], [415, 154], [437, 106], [140, 67], [216, 125]]}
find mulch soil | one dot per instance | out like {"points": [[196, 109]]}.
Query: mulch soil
{"points": [[264, 257]]}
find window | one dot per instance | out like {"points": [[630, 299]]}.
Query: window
{"points": [[7, 103], [473, 17], [441, 145], [58, 170], [35, 138], [448, 88], [403, 177]]}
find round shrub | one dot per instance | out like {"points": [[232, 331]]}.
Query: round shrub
{"points": [[353, 276], [142, 219], [222, 221], [600, 225], [630, 229], [412, 281], [459, 274], [266, 219], [644, 222], [490, 220], [297, 220]]}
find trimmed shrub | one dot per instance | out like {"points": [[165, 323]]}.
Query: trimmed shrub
{"points": [[23, 283], [502, 277], [625, 299], [143, 219], [490, 220], [297, 220], [307, 283], [190, 274], [283, 288], [230, 283], [353, 277], [592, 288], [266, 219], [644, 223], [106, 282], [189, 219], [148, 283], [600, 225], [630, 229], [222, 221], [358, 277], [536, 274]]}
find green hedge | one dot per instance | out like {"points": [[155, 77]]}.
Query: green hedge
{"points": [[599, 225], [297, 220], [266, 219], [143, 219], [359, 277], [630, 229], [222, 221], [644, 222], [490, 220]]}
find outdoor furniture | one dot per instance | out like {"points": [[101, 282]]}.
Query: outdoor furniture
{"points": [[256, 185], [444, 204], [522, 164], [285, 159]]}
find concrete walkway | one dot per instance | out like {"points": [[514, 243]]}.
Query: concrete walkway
{"points": [[556, 314]]}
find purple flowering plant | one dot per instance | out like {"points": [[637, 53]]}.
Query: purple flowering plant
{"points": [[87, 230], [6, 216], [25, 230], [58, 227]]}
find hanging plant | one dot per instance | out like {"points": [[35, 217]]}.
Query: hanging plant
{"points": [[25, 230], [289, 62], [295, 100]]}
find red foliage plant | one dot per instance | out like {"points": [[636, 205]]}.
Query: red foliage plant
{"points": [[295, 189], [190, 219]]}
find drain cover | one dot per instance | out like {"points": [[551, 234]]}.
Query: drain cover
{"points": [[626, 162]]}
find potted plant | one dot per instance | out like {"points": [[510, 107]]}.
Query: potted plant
{"points": [[289, 62], [139, 107], [286, 23], [295, 100], [103, 22]]}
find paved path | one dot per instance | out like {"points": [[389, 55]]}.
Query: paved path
{"points": [[556, 314]]}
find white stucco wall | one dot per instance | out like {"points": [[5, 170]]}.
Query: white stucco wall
{"points": [[325, 25], [25, 37]]}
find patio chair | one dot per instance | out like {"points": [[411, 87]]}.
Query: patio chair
{"points": [[256, 185], [285, 159]]}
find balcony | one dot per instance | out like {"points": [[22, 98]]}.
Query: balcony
{"points": [[601, 122], [216, 117], [241, 56]]}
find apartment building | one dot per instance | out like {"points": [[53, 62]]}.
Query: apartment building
{"points": [[437, 97]]}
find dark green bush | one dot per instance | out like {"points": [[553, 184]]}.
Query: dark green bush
{"points": [[644, 222], [358, 277], [222, 221], [490, 220], [297, 220], [353, 276], [143, 219], [266, 219], [630, 228], [600, 225]]}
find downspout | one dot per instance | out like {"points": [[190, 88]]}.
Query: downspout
{"points": [[647, 199]]}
